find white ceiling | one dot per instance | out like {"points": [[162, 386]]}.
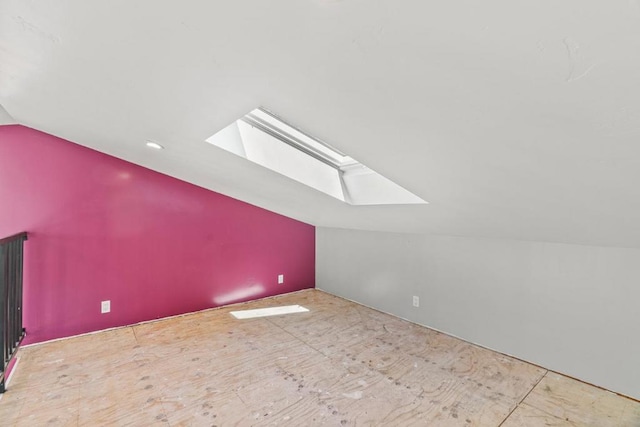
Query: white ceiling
{"points": [[513, 119]]}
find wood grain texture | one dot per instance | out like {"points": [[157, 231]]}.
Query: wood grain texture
{"points": [[561, 401], [338, 364]]}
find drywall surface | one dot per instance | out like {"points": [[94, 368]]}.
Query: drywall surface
{"points": [[5, 117], [569, 308], [104, 229]]}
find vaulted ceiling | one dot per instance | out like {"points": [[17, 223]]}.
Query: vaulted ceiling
{"points": [[513, 119]]}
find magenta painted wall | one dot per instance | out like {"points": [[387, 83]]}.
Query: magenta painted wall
{"points": [[104, 229]]}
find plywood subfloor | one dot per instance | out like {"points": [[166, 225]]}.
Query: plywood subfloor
{"points": [[339, 364]]}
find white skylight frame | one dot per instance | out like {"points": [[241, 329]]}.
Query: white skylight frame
{"points": [[278, 128], [263, 138]]}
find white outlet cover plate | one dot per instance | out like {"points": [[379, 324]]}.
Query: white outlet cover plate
{"points": [[105, 307], [280, 279], [416, 301]]}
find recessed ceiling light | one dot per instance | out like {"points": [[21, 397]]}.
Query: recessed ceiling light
{"points": [[155, 145]]}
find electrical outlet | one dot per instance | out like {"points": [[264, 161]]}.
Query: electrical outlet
{"points": [[280, 279], [105, 306], [416, 301]]}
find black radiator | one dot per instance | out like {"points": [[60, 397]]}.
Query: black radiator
{"points": [[11, 262]]}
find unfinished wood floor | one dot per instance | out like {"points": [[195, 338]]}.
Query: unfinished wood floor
{"points": [[339, 364]]}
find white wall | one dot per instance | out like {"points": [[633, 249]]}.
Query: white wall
{"points": [[573, 309]]}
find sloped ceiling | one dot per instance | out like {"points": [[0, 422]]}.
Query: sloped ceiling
{"points": [[513, 119]]}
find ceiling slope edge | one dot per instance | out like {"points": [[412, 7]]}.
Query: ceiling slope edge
{"points": [[5, 117]]}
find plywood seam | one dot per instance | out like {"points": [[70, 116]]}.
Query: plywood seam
{"points": [[294, 337], [523, 398]]}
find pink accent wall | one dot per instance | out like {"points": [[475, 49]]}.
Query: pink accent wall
{"points": [[101, 228]]}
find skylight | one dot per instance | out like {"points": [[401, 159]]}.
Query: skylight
{"points": [[270, 124], [263, 138]]}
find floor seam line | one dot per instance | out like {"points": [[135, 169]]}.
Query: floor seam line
{"points": [[295, 337], [133, 329], [523, 399]]}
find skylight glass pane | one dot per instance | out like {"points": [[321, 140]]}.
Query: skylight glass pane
{"points": [[264, 139], [270, 152]]}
